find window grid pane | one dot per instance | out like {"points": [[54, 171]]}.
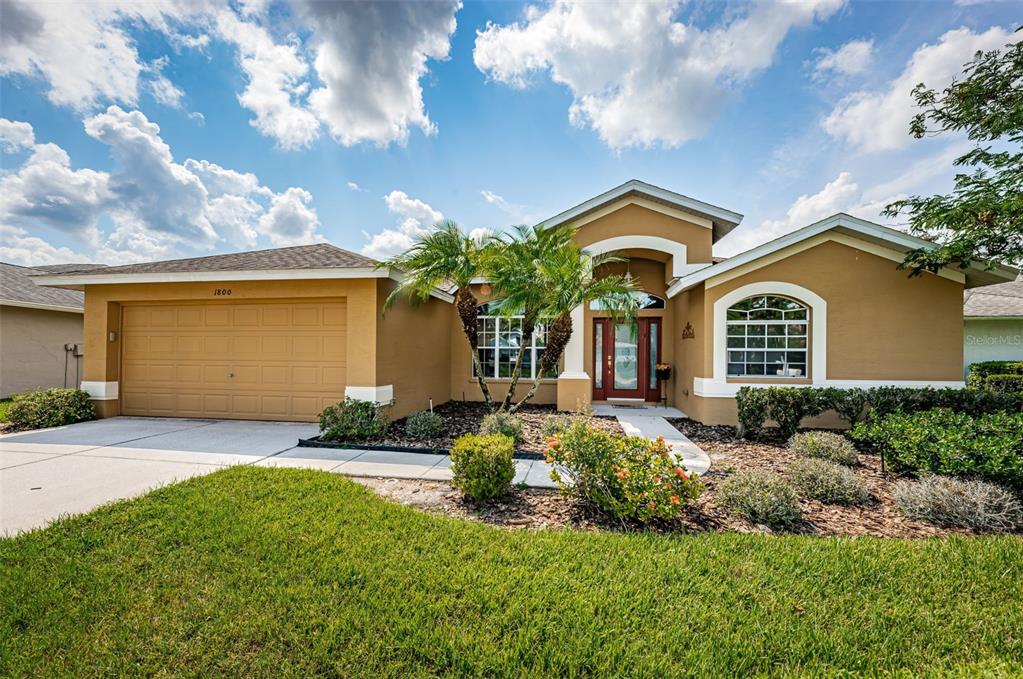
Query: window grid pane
{"points": [[499, 340], [767, 337]]}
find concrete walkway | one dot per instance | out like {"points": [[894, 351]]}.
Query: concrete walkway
{"points": [[648, 421], [396, 465]]}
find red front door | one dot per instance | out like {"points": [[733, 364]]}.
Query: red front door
{"points": [[624, 355]]}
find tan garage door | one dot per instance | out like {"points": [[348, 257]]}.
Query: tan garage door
{"points": [[272, 361]]}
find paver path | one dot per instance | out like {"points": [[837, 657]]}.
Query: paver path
{"points": [[650, 423]]}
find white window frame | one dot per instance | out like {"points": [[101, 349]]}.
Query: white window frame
{"points": [[785, 351], [496, 347], [818, 329]]}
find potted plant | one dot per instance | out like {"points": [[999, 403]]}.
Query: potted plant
{"points": [[663, 371]]}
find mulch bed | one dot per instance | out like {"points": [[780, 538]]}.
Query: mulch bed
{"points": [[539, 508], [464, 417]]}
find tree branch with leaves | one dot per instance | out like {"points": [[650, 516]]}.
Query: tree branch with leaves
{"points": [[981, 219]]}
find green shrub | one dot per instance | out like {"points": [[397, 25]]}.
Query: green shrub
{"points": [[761, 498], [353, 420], [554, 425], [50, 408], [958, 503], [979, 373], [482, 466], [828, 482], [1006, 384], [502, 422], [628, 477], [789, 405], [751, 409], [946, 442], [850, 404], [824, 445], [424, 424]]}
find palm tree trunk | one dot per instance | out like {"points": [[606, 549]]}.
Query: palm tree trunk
{"points": [[525, 343], [468, 311], [558, 334]]}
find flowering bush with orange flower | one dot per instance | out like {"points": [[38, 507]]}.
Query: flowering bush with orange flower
{"points": [[628, 477]]}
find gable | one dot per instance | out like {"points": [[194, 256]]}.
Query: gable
{"points": [[637, 216]]}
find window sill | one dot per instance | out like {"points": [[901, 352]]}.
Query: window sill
{"points": [[768, 380], [522, 380]]}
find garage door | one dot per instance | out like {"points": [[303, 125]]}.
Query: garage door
{"points": [[272, 361]]}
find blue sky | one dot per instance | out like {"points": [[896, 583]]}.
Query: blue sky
{"points": [[165, 129]]}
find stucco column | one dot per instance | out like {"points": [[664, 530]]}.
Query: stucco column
{"points": [[574, 388]]}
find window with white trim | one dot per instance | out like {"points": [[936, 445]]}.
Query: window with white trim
{"points": [[767, 337], [499, 340]]}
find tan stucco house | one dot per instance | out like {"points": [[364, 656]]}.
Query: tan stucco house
{"points": [[40, 330], [279, 334]]}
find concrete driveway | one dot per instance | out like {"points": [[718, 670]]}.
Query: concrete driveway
{"points": [[68, 470]]}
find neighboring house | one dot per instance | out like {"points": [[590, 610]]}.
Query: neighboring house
{"points": [[993, 323], [40, 330], [279, 334]]}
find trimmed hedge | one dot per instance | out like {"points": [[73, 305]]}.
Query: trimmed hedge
{"points": [[482, 466], [942, 441], [353, 420], [788, 406], [1006, 384], [50, 408], [980, 373]]}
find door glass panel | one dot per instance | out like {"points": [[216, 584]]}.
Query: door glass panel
{"points": [[626, 356], [653, 355], [598, 357]]}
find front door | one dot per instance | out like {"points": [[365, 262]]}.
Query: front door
{"points": [[624, 356]]}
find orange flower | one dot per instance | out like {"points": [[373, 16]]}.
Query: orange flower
{"points": [[657, 479], [622, 473], [549, 459], [652, 505], [674, 500], [553, 442], [679, 472]]}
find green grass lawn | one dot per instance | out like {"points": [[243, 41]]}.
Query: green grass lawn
{"points": [[273, 572]]}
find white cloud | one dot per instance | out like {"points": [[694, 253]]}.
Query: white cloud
{"points": [[16, 136], [18, 247], [840, 195], [851, 58], [515, 211], [354, 186], [82, 49], [199, 118], [159, 208], [45, 190], [276, 82], [290, 220], [637, 76], [416, 219], [371, 58], [163, 90], [879, 120]]}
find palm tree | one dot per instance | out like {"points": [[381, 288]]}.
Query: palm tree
{"points": [[444, 257], [543, 275], [512, 272]]}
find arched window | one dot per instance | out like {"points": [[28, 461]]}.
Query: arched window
{"points": [[499, 341], [767, 337], [644, 300]]}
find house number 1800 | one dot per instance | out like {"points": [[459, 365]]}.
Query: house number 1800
{"points": [[220, 292]]}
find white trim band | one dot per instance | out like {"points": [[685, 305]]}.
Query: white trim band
{"points": [[101, 391], [710, 388], [381, 395]]}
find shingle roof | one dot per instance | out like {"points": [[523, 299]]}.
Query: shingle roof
{"points": [[69, 268], [17, 287], [1004, 299], [317, 256]]}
